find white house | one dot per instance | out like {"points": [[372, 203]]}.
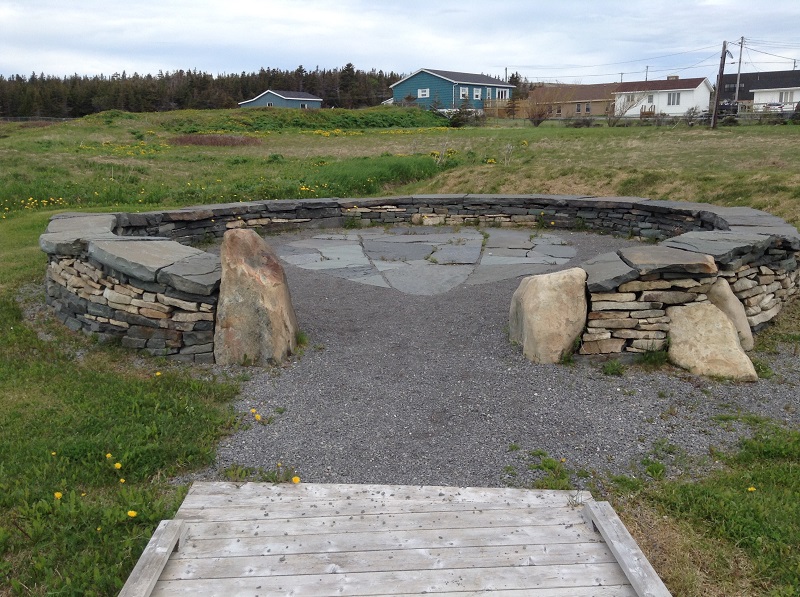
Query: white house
{"points": [[673, 96], [777, 99]]}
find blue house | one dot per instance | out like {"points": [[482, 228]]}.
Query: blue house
{"points": [[448, 90], [283, 99]]}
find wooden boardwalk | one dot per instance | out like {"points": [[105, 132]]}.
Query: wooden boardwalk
{"points": [[251, 539]]}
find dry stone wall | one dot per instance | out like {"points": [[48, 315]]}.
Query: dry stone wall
{"points": [[134, 276]]}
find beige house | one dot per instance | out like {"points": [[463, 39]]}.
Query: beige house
{"points": [[573, 100]]}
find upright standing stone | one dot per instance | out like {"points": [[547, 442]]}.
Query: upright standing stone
{"points": [[547, 313], [722, 296], [703, 340], [256, 323]]}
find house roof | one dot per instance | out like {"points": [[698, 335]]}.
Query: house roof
{"points": [[779, 79], [566, 93], [460, 78], [287, 95], [661, 85]]}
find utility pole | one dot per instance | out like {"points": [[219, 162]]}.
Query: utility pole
{"points": [[725, 53], [646, 70], [739, 74]]}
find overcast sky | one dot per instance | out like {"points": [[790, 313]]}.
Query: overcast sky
{"points": [[584, 41]]}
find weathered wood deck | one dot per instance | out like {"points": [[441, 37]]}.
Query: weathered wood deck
{"points": [[310, 539]]}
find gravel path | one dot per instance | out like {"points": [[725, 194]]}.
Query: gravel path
{"points": [[402, 389]]}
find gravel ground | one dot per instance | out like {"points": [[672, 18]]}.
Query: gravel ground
{"points": [[402, 389]]}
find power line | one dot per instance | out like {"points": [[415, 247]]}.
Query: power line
{"points": [[774, 55], [572, 67]]}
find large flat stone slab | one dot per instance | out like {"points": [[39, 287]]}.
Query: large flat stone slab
{"points": [[722, 245], [424, 278], [140, 259], [464, 254], [486, 274], [391, 251], [607, 271], [659, 259], [196, 274], [82, 223]]}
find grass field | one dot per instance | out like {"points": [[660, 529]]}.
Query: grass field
{"points": [[71, 410]]}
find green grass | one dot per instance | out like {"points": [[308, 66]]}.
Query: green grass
{"points": [[613, 367], [753, 504], [67, 402]]}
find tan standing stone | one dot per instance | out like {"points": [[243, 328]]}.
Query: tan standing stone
{"points": [[721, 295], [256, 322], [548, 312], [703, 340]]}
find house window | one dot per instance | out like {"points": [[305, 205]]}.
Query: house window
{"points": [[270, 104], [558, 110], [488, 93], [423, 93], [304, 106], [476, 93], [502, 94], [674, 98], [650, 99], [786, 97], [588, 108], [463, 92], [577, 108]]}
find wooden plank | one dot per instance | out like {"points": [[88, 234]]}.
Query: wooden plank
{"points": [[368, 541], [145, 574], [391, 583], [261, 492], [613, 591], [256, 525], [633, 562], [234, 511], [180, 567]]}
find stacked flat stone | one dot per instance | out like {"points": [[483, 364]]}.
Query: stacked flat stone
{"points": [[632, 316], [630, 216], [154, 295], [761, 268], [131, 275]]}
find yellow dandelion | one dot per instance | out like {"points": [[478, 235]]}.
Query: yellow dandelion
{"points": [[108, 456], [52, 453], [117, 465], [552, 223], [58, 495], [295, 479], [751, 488], [132, 513], [122, 480], [83, 494], [252, 410], [99, 529], [258, 417], [158, 373]]}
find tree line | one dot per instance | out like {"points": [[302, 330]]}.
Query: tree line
{"points": [[75, 96]]}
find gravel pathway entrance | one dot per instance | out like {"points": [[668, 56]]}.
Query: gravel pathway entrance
{"points": [[398, 388]]}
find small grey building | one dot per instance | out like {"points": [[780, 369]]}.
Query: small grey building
{"points": [[283, 99]]}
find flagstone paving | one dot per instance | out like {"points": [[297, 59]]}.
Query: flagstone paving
{"points": [[427, 261]]}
